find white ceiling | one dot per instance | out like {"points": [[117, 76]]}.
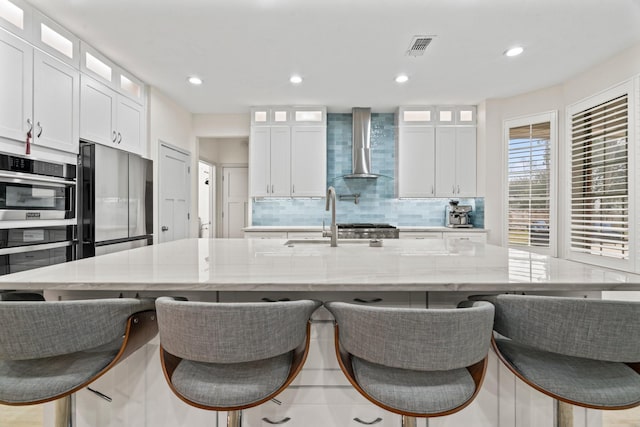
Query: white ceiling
{"points": [[348, 51]]}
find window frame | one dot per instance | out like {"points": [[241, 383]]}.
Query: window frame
{"points": [[552, 118], [628, 88]]}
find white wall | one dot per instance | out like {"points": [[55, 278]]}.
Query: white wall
{"points": [[221, 125], [170, 123], [616, 69]]}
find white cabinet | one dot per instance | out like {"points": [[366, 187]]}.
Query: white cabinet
{"points": [[436, 152], [416, 161], [286, 160], [55, 104], [270, 162], [16, 87], [38, 93], [455, 161], [421, 235], [109, 118], [308, 161], [458, 236]]}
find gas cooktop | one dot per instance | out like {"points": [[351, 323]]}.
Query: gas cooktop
{"points": [[367, 231]]}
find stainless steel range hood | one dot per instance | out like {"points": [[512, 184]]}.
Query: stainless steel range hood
{"points": [[361, 163]]}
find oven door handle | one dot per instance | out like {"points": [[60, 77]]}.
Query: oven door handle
{"points": [[33, 248], [20, 178]]}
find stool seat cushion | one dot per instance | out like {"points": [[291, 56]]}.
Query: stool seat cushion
{"points": [[585, 381], [33, 380], [228, 385], [419, 392]]}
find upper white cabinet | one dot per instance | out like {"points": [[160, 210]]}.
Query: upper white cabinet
{"points": [[39, 93], [455, 161], [55, 104], [308, 161], [16, 87], [109, 118], [270, 162], [416, 166], [436, 151], [288, 152]]}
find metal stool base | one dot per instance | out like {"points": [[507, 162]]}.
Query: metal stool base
{"points": [[66, 411], [409, 421], [234, 419]]}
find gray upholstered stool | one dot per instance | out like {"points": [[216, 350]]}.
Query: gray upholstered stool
{"points": [[579, 351], [232, 356], [50, 350], [414, 362]]}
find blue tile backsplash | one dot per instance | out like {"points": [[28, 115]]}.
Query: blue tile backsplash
{"points": [[377, 202]]}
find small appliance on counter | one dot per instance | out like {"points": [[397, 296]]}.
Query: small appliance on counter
{"points": [[458, 216]]}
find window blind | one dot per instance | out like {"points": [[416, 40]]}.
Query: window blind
{"points": [[529, 185], [599, 180]]}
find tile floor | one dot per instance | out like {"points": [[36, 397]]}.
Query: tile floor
{"points": [[27, 416]]}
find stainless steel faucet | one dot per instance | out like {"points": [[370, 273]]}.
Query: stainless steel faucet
{"points": [[333, 229]]}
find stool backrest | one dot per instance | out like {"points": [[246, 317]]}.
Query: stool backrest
{"points": [[593, 329], [418, 339], [37, 329], [232, 332]]}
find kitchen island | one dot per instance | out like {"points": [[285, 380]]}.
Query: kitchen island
{"points": [[430, 273], [311, 265]]}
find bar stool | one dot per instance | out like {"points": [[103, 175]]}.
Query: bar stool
{"points": [[578, 351], [232, 356], [414, 362], [50, 350]]}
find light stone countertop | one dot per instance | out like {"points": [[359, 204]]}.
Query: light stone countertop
{"points": [[400, 227], [271, 265]]}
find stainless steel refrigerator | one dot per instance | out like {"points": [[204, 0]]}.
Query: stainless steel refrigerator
{"points": [[115, 200]]}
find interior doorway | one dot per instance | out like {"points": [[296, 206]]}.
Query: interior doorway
{"points": [[235, 201], [174, 190], [206, 200]]}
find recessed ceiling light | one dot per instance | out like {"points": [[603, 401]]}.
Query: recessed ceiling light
{"points": [[514, 51], [402, 78], [196, 81], [295, 79]]}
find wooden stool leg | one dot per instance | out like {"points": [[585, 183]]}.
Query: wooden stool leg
{"points": [[65, 411], [234, 419], [409, 421], [564, 414]]}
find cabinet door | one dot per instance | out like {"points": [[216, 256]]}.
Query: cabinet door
{"points": [[445, 162], [466, 162], [416, 162], [97, 112], [259, 161], [55, 103], [280, 161], [130, 129], [16, 87], [308, 161]]}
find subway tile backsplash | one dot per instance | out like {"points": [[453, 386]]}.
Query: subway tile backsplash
{"points": [[377, 202]]}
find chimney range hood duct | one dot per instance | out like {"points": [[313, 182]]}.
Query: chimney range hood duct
{"points": [[361, 163]]}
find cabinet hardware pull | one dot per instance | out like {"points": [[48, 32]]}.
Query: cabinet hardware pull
{"points": [[282, 421], [294, 188], [102, 395], [272, 189], [265, 299], [431, 188], [30, 126], [114, 136], [267, 188], [164, 228], [40, 131], [376, 421], [119, 138], [453, 187], [458, 189], [367, 301]]}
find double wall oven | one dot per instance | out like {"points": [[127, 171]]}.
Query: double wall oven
{"points": [[37, 213]]}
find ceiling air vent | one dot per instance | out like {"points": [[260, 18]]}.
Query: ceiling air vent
{"points": [[419, 45]]}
